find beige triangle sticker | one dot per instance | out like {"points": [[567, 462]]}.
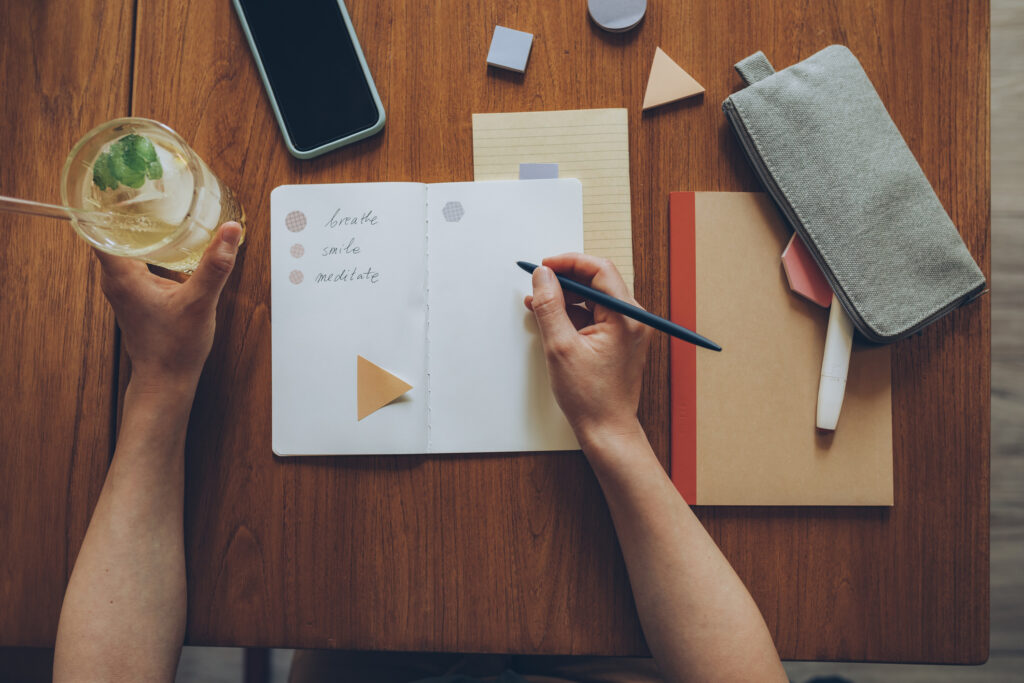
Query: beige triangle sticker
{"points": [[376, 387], [668, 82]]}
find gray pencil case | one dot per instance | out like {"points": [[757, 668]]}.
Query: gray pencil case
{"points": [[823, 144]]}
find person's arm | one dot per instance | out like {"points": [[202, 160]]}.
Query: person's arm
{"points": [[700, 622], [123, 616]]}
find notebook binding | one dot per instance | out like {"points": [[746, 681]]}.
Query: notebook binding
{"points": [[426, 210]]}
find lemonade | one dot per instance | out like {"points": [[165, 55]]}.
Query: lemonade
{"points": [[161, 200]]}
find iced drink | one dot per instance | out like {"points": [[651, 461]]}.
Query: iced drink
{"points": [[162, 200]]}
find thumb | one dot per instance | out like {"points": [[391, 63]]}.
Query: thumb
{"points": [[217, 262], [556, 330]]}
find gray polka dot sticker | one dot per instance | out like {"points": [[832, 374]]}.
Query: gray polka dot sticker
{"points": [[295, 221], [298, 250], [453, 212], [296, 277]]}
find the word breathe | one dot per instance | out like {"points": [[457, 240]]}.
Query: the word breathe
{"points": [[339, 219]]}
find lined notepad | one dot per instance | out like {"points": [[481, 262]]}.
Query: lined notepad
{"points": [[589, 144]]}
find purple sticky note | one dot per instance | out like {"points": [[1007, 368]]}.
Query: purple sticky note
{"points": [[538, 171]]}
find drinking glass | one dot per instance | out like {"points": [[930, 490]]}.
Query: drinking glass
{"points": [[162, 201]]}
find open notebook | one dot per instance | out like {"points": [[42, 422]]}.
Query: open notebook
{"points": [[421, 282]]}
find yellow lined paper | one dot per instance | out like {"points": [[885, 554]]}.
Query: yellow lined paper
{"points": [[589, 144]]}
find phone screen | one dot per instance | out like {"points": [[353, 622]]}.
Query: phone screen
{"points": [[313, 69]]}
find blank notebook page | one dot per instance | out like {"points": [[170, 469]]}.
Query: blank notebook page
{"points": [[488, 384]]}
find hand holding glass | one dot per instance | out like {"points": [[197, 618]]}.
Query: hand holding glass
{"points": [[161, 202]]}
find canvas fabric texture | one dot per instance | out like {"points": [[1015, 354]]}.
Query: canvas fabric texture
{"points": [[821, 141]]}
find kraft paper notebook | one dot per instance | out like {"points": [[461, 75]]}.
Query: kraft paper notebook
{"points": [[398, 323], [743, 421]]}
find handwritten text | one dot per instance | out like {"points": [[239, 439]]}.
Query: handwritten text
{"points": [[350, 248], [350, 275], [339, 219]]}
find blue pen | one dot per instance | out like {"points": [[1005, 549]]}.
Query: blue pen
{"points": [[629, 310]]}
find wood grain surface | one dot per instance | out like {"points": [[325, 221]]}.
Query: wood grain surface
{"points": [[57, 334], [515, 553]]}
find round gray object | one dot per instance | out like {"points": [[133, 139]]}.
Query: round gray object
{"points": [[617, 15]]}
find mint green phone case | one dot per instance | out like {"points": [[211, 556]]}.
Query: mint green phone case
{"points": [[334, 144]]}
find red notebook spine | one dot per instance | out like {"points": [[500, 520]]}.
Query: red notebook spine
{"points": [[683, 356]]}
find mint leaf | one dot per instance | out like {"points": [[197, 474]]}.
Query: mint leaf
{"points": [[124, 172], [140, 146], [129, 161], [103, 174], [133, 160]]}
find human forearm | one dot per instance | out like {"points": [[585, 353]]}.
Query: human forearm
{"points": [[699, 620], [123, 615]]}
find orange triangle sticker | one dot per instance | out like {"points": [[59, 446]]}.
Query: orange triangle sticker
{"points": [[668, 82], [376, 387]]}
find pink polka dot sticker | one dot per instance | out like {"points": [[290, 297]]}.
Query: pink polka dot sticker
{"points": [[298, 250], [295, 221], [295, 276]]}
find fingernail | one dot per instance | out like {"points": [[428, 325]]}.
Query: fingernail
{"points": [[232, 234], [545, 275]]}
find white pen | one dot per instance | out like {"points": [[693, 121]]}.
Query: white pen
{"points": [[835, 364]]}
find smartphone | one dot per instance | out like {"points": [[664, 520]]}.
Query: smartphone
{"points": [[314, 72]]}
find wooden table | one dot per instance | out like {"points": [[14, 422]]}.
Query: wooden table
{"points": [[502, 553]]}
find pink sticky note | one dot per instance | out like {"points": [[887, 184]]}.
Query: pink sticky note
{"points": [[805, 278]]}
